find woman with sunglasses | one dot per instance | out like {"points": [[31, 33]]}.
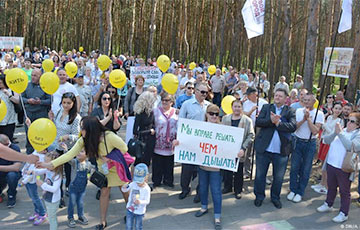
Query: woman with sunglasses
{"points": [[165, 129], [105, 113], [97, 141], [117, 102], [327, 107], [340, 140], [67, 122]]}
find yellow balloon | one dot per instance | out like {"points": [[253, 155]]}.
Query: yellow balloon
{"points": [[41, 133], [17, 80], [226, 104], [163, 62], [6, 71], [103, 62], [49, 82], [71, 69], [192, 65], [223, 69], [316, 104], [117, 78], [3, 110], [81, 49], [212, 69], [16, 49], [170, 83], [47, 65], [68, 53]]}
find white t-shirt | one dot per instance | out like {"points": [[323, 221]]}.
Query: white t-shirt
{"points": [[247, 106], [303, 131], [137, 193], [337, 150], [51, 186], [184, 80], [32, 167], [63, 88]]}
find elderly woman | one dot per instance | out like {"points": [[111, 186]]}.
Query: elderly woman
{"points": [[238, 119], [133, 95], [165, 129], [341, 141], [144, 125], [292, 98]]}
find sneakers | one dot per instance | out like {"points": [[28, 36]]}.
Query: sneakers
{"points": [[71, 223], [83, 220], [40, 219], [340, 218], [316, 186], [33, 217], [321, 190], [297, 198], [11, 202], [325, 208], [290, 196]]}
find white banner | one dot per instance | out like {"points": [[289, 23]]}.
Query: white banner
{"points": [[253, 14], [346, 16], [208, 144], [129, 128], [11, 42], [340, 62], [152, 74]]}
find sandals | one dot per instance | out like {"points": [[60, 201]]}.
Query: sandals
{"points": [[101, 226]]}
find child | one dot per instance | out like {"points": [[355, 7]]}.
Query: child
{"points": [[29, 173], [51, 187], [80, 167], [139, 197]]}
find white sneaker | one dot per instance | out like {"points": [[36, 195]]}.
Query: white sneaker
{"points": [[297, 198], [321, 190], [290, 196], [316, 186], [340, 218], [325, 208]]}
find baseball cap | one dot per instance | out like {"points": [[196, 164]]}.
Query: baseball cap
{"points": [[140, 172]]}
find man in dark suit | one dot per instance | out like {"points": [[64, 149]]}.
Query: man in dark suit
{"points": [[273, 145]]}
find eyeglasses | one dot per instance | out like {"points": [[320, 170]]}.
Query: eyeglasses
{"points": [[212, 114], [190, 87], [106, 99], [166, 100]]}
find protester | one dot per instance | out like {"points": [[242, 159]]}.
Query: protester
{"points": [[133, 95], [264, 84], [328, 106], [282, 84], [341, 141], [93, 138], [300, 103], [299, 84], [238, 119], [218, 86], [292, 98], [339, 97], [189, 78], [165, 130], [144, 125], [347, 110], [305, 147], [189, 94]]}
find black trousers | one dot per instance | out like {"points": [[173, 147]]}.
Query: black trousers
{"points": [[8, 130], [234, 179], [188, 172], [162, 169], [149, 151]]}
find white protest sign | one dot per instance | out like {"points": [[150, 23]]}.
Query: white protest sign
{"points": [[11, 42], [340, 62], [152, 74], [208, 144], [129, 128]]}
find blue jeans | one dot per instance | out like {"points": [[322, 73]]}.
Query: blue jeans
{"points": [[76, 199], [11, 179], [131, 218], [263, 161], [33, 194], [213, 179], [301, 164]]}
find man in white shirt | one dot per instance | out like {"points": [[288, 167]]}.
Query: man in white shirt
{"points": [[282, 84], [218, 85], [64, 87], [189, 77], [305, 147]]}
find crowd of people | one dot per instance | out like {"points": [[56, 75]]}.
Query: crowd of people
{"points": [[88, 112]]}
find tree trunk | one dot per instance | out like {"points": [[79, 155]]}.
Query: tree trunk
{"points": [[109, 28], [286, 38], [186, 54], [222, 32], [311, 40], [101, 26], [214, 31], [132, 27], [152, 28]]}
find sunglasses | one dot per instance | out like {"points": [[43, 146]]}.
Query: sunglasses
{"points": [[190, 87], [166, 100], [203, 92], [212, 114], [106, 99], [329, 97], [352, 121], [112, 92]]}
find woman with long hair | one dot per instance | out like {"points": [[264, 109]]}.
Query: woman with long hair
{"points": [[340, 140], [67, 122], [165, 129], [7, 96], [98, 141], [144, 125], [108, 116]]}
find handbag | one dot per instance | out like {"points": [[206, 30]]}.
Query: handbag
{"points": [[98, 179], [136, 147], [17, 107], [350, 162]]}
